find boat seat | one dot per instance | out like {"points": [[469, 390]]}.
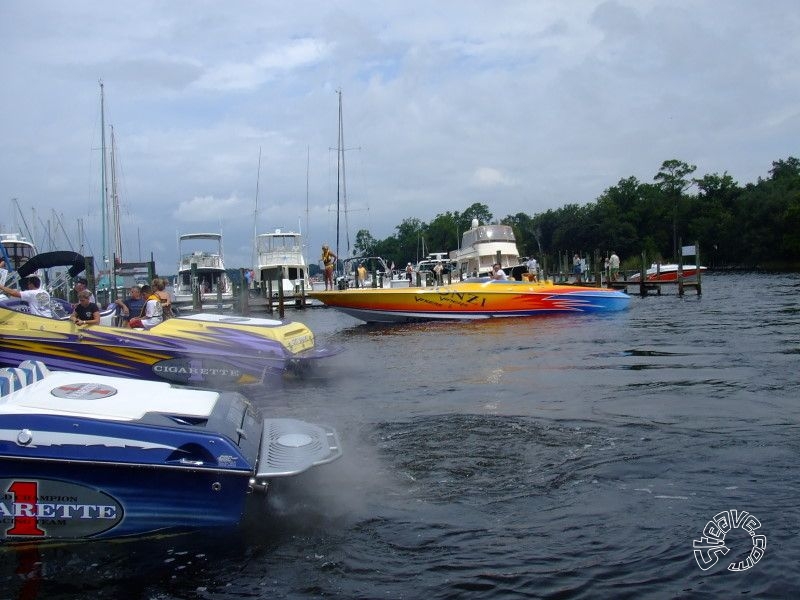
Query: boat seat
{"points": [[12, 379], [35, 369]]}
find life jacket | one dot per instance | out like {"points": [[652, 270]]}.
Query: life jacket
{"points": [[152, 296]]}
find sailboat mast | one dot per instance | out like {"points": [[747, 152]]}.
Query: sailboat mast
{"points": [[116, 231], [339, 156], [308, 166], [103, 185], [254, 257]]}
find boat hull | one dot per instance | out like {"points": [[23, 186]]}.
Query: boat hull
{"points": [[79, 500], [108, 457], [472, 300], [206, 350]]}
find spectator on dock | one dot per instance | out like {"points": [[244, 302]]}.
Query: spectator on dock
{"points": [[577, 267], [613, 265], [533, 269], [437, 270]]}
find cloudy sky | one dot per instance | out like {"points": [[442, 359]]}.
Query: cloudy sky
{"points": [[521, 105]]}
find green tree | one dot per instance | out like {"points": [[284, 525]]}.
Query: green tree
{"points": [[441, 234], [673, 182], [364, 244], [409, 235], [476, 211]]}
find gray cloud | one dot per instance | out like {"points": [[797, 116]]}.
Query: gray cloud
{"points": [[523, 106]]}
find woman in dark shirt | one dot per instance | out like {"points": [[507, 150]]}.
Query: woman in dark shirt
{"points": [[86, 312]]}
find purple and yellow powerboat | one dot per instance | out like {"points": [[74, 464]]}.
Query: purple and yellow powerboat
{"points": [[210, 350]]}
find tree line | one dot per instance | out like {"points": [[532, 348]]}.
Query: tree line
{"points": [[755, 226]]}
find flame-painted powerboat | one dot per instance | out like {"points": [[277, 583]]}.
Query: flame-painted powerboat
{"points": [[94, 457], [472, 299]]}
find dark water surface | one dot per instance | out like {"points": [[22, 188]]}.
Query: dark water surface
{"points": [[570, 457]]}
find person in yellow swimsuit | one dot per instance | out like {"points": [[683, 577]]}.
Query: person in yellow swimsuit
{"points": [[328, 259]]}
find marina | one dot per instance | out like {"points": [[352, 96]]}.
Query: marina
{"points": [[546, 457]]}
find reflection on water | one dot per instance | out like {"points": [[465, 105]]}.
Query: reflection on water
{"points": [[538, 457]]}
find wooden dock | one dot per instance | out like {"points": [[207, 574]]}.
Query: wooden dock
{"points": [[654, 287]]}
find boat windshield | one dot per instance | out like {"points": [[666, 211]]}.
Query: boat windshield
{"points": [[488, 233], [280, 242]]}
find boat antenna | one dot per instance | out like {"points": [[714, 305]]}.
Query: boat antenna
{"points": [[255, 213], [24, 222], [308, 166]]}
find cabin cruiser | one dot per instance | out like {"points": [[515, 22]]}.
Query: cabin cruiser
{"points": [[484, 245], [281, 266], [201, 273]]}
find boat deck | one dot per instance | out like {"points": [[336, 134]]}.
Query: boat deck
{"points": [[95, 396]]}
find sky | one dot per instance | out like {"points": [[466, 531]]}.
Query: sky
{"points": [[225, 115]]}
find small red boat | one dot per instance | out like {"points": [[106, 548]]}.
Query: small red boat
{"points": [[668, 272]]}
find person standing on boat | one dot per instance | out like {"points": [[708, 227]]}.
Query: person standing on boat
{"points": [[86, 312], [613, 265], [328, 260], [410, 274], [82, 284], [37, 298], [362, 275], [576, 268], [498, 273]]}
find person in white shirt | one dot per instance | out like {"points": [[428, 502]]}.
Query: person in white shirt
{"points": [[613, 265], [152, 312], [37, 298], [498, 273], [533, 268]]}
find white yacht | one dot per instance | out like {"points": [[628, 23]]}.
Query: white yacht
{"points": [[280, 260], [201, 269], [17, 249], [484, 245]]}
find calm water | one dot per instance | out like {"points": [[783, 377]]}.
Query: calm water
{"points": [[545, 457]]}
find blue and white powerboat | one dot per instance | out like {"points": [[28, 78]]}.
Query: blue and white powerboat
{"points": [[97, 457]]}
